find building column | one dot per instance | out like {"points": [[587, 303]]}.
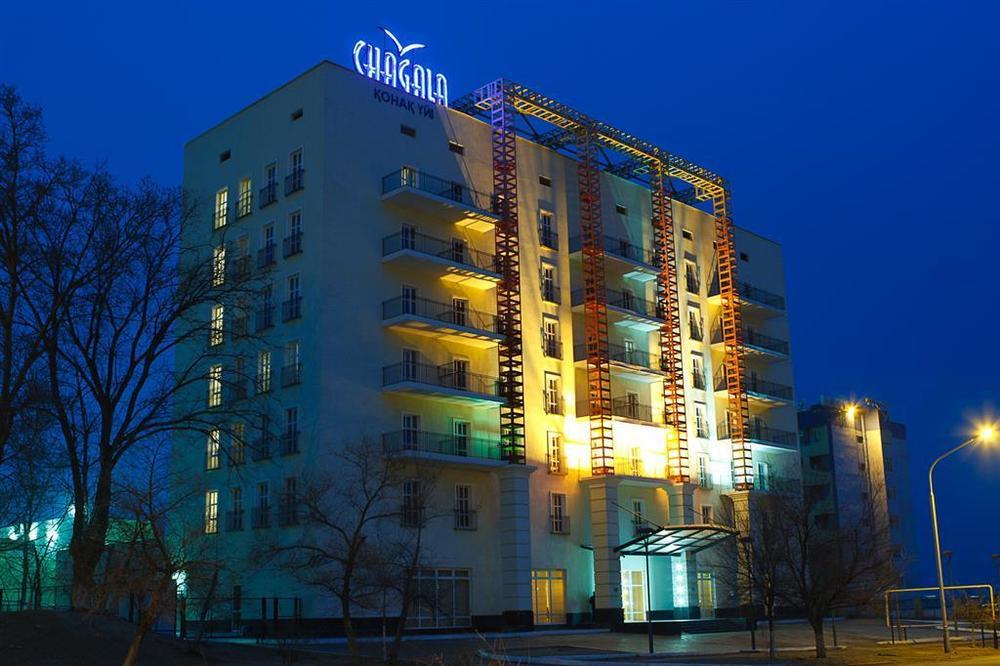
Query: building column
{"points": [[607, 564], [515, 545], [684, 569], [741, 520]]}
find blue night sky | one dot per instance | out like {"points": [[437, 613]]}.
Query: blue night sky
{"points": [[861, 136]]}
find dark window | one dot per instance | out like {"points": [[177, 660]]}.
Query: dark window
{"points": [[545, 180], [744, 256], [407, 130], [456, 147], [225, 155], [623, 210], [296, 114], [687, 234]]}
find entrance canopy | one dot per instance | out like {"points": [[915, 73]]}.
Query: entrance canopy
{"points": [[675, 539]]}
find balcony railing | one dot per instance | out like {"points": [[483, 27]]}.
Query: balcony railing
{"points": [[291, 308], [234, 520], [552, 347], [437, 247], [290, 443], [548, 237], [439, 187], [265, 257], [758, 386], [291, 244], [639, 468], [444, 312], [265, 317], [755, 339], [620, 248], [295, 181], [629, 409], [241, 267], [755, 294], [466, 519], [268, 194], [443, 443], [625, 300], [559, 523], [762, 433], [445, 376], [260, 517], [635, 357], [262, 449], [291, 374]]}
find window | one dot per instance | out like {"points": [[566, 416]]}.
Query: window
{"points": [[295, 161], [554, 453], [296, 114], [411, 511], [408, 299], [558, 518], [410, 433], [686, 233], [621, 209], [225, 155], [632, 410], [695, 331], [701, 419], [550, 337], [744, 256], [212, 512], [548, 595], [263, 371], [456, 147], [218, 265], [704, 473], [460, 311], [634, 595], [290, 440], [215, 386], [459, 377], [443, 599], [292, 243], [638, 515], [406, 130], [215, 328], [763, 476], [410, 364], [547, 230], [271, 174], [706, 514], [635, 467], [288, 508], [291, 372], [691, 277], [237, 444], [460, 431], [244, 204], [221, 215], [294, 181], [212, 449], [550, 290], [236, 509], [292, 308], [553, 394], [698, 371], [464, 515], [265, 256], [545, 180], [261, 514]]}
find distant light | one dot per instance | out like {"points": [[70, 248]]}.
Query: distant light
{"points": [[851, 411], [986, 433]]}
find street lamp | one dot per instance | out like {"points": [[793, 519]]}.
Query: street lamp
{"points": [[985, 433]]}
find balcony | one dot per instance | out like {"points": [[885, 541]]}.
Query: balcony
{"points": [[633, 363], [449, 200], [458, 263], [761, 434], [291, 309], [639, 469], [755, 343], [442, 444], [760, 390], [641, 263], [758, 301], [449, 321], [290, 443], [291, 245], [466, 519], [627, 310], [291, 375], [260, 517], [632, 410], [265, 257], [295, 181], [268, 195], [265, 318], [443, 381], [234, 520]]}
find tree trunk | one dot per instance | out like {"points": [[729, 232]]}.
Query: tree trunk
{"points": [[345, 612], [772, 651], [146, 619], [817, 625], [88, 541]]}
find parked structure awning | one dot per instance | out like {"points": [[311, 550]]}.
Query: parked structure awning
{"points": [[676, 539]]}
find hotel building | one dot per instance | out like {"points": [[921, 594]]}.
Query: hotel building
{"points": [[560, 334]]}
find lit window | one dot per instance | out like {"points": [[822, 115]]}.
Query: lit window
{"points": [[554, 455], [244, 204], [218, 265], [558, 518], [263, 371], [212, 450], [215, 332], [553, 394], [237, 453], [212, 512], [221, 215], [215, 386]]}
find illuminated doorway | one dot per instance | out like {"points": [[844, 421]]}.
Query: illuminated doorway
{"points": [[706, 594], [634, 595], [548, 595]]}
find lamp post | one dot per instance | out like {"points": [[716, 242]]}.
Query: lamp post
{"points": [[984, 434]]}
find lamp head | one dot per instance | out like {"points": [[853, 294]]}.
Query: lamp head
{"points": [[850, 411], [986, 433]]}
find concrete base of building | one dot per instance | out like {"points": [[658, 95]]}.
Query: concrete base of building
{"points": [[613, 618], [518, 620]]}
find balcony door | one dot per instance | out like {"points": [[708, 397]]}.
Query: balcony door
{"points": [[706, 594], [411, 360], [548, 595], [632, 405], [458, 251], [460, 373], [460, 311], [460, 437], [411, 431], [634, 595], [408, 237], [408, 299]]}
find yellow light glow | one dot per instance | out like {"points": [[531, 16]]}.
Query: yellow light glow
{"points": [[986, 433], [851, 411]]}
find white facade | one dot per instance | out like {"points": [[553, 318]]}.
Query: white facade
{"points": [[372, 347]]}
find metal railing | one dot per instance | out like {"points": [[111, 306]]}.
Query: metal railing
{"points": [[291, 244], [692, 283], [444, 312], [555, 464], [437, 247], [548, 237], [295, 181], [446, 189], [291, 374], [466, 519], [699, 380], [265, 317], [758, 386], [265, 256], [291, 308], [754, 339], [752, 293], [444, 443], [620, 247], [446, 376], [636, 411], [763, 433], [241, 268], [262, 449], [626, 301], [550, 293], [288, 512], [268, 195], [240, 327]]}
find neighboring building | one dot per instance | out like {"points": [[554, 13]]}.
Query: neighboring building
{"points": [[375, 220], [853, 454]]}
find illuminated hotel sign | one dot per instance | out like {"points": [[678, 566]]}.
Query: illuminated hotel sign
{"points": [[396, 70]]}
